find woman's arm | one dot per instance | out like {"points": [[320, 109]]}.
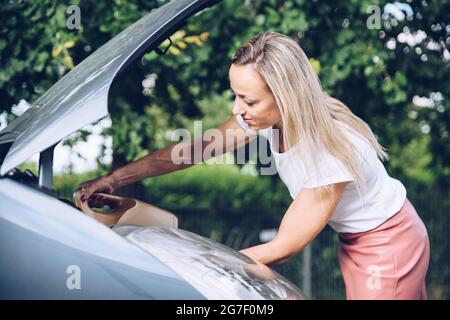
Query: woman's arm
{"points": [[160, 162], [305, 218]]}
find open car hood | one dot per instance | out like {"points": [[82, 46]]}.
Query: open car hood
{"points": [[81, 96]]}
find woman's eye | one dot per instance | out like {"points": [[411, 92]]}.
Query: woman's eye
{"points": [[250, 103]]}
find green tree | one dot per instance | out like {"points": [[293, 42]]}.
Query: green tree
{"points": [[381, 74]]}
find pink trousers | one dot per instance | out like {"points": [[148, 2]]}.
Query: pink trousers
{"points": [[388, 262]]}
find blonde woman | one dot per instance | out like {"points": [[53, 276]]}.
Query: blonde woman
{"points": [[331, 163]]}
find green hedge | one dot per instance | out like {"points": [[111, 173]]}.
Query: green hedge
{"points": [[208, 186]]}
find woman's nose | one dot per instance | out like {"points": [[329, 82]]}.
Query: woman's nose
{"points": [[237, 109]]}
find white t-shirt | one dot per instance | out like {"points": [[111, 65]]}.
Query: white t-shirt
{"points": [[379, 200]]}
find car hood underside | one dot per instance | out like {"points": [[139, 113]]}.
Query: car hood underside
{"points": [[81, 96]]}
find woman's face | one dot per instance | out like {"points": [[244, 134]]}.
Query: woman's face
{"points": [[253, 101]]}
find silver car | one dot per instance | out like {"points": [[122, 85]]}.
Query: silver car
{"points": [[51, 250]]}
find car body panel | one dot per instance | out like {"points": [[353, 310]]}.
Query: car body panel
{"points": [[215, 270], [81, 96], [41, 237]]}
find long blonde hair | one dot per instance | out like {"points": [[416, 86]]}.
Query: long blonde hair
{"points": [[309, 115]]}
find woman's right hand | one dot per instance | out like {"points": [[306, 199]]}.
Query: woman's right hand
{"points": [[103, 184]]}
